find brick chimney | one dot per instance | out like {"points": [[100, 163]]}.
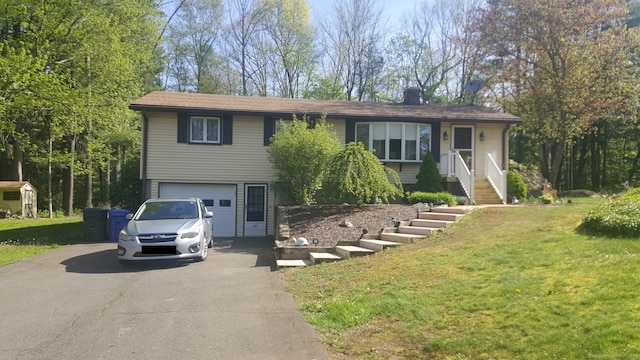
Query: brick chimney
{"points": [[412, 96]]}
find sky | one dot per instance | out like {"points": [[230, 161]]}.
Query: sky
{"points": [[393, 10]]}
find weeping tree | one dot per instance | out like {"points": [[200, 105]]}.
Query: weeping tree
{"points": [[357, 175]]}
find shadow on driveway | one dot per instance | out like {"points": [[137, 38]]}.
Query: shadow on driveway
{"points": [[106, 261]]}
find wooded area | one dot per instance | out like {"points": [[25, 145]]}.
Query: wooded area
{"points": [[69, 69]]}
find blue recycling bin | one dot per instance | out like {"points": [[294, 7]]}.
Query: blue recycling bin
{"points": [[117, 221]]}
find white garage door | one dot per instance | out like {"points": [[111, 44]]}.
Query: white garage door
{"points": [[221, 199]]}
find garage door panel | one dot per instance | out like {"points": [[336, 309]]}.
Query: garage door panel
{"points": [[220, 199]]}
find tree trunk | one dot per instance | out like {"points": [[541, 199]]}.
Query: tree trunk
{"points": [[72, 151]]}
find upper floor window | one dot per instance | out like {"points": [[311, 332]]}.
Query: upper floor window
{"points": [[395, 141], [204, 129]]}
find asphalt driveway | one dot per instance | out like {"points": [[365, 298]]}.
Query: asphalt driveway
{"points": [[78, 302]]}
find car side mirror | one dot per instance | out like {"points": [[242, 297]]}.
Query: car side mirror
{"points": [[208, 214], [129, 216]]}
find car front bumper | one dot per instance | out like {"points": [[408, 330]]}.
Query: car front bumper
{"points": [[134, 250]]}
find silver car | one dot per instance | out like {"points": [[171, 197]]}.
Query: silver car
{"points": [[167, 229]]}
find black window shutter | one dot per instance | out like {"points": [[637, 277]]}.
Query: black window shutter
{"points": [[435, 141], [350, 133], [268, 129], [183, 127], [227, 129]]}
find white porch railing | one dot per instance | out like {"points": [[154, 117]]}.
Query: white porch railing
{"points": [[497, 177], [452, 164]]}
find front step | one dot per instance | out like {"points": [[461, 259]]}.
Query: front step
{"points": [[292, 263], [431, 223], [400, 237], [348, 251], [322, 257], [452, 209], [440, 216], [417, 230], [378, 245]]}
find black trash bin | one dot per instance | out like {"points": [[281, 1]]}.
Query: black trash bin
{"points": [[95, 224], [117, 221]]}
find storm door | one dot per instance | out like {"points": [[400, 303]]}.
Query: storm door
{"points": [[463, 143], [255, 213]]}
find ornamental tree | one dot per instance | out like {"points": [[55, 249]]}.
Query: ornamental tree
{"points": [[357, 174], [300, 152]]}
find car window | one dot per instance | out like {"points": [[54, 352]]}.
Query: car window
{"points": [[159, 210]]}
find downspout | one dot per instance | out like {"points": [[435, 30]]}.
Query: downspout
{"points": [[505, 141], [143, 156]]}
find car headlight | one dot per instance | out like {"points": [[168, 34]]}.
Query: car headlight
{"points": [[190, 234], [124, 236]]}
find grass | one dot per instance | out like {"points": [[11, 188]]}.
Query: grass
{"points": [[504, 283], [22, 238]]}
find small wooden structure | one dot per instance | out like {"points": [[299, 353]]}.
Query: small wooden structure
{"points": [[19, 197]]}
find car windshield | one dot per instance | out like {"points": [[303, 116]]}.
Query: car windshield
{"points": [[159, 210]]}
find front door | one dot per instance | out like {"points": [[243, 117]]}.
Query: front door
{"points": [[255, 213], [463, 143]]}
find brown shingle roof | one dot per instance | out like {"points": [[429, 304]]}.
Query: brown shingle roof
{"points": [[12, 184], [175, 101]]}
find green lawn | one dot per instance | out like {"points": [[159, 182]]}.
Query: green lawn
{"points": [[22, 238], [504, 283]]}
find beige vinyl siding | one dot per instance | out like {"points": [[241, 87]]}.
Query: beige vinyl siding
{"points": [[245, 159], [406, 171], [492, 143]]}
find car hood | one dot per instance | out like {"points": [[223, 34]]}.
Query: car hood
{"points": [[165, 226]]}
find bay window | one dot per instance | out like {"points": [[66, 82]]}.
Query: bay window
{"points": [[395, 141]]}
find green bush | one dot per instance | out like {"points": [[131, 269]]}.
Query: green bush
{"points": [[516, 187], [619, 218], [631, 193], [437, 198], [429, 178]]}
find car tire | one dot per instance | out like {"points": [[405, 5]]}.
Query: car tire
{"points": [[210, 243], [203, 254]]}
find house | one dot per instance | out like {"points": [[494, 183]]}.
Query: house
{"points": [[19, 197], [215, 147]]}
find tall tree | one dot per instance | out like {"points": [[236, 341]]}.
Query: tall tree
{"points": [[558, 65], [289, 26], [191, 41], [353, 36]]}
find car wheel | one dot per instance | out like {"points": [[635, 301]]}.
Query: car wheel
{"points": [[210, 244], [203, 254]]}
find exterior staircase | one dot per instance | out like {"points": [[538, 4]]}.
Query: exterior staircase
{"points": [[428, 222], [484, 194]]}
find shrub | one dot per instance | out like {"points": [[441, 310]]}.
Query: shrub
{"points": [[619, 218], [429, 179], [5, 213], [516, 187], [437, 198], [631, 193]]}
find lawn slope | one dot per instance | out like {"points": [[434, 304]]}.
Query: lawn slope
{"points": [[504, 283]]}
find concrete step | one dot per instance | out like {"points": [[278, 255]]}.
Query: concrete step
{"points": [[400, 237], [348, 251], [292, 263], [378, 245], [452, 209], [495, 201], [430, 223], [417, 230], [440, 216], [322, 257]]}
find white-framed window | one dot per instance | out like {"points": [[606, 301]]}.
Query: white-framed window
{"points": [[395, 141], [204, 129]]}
